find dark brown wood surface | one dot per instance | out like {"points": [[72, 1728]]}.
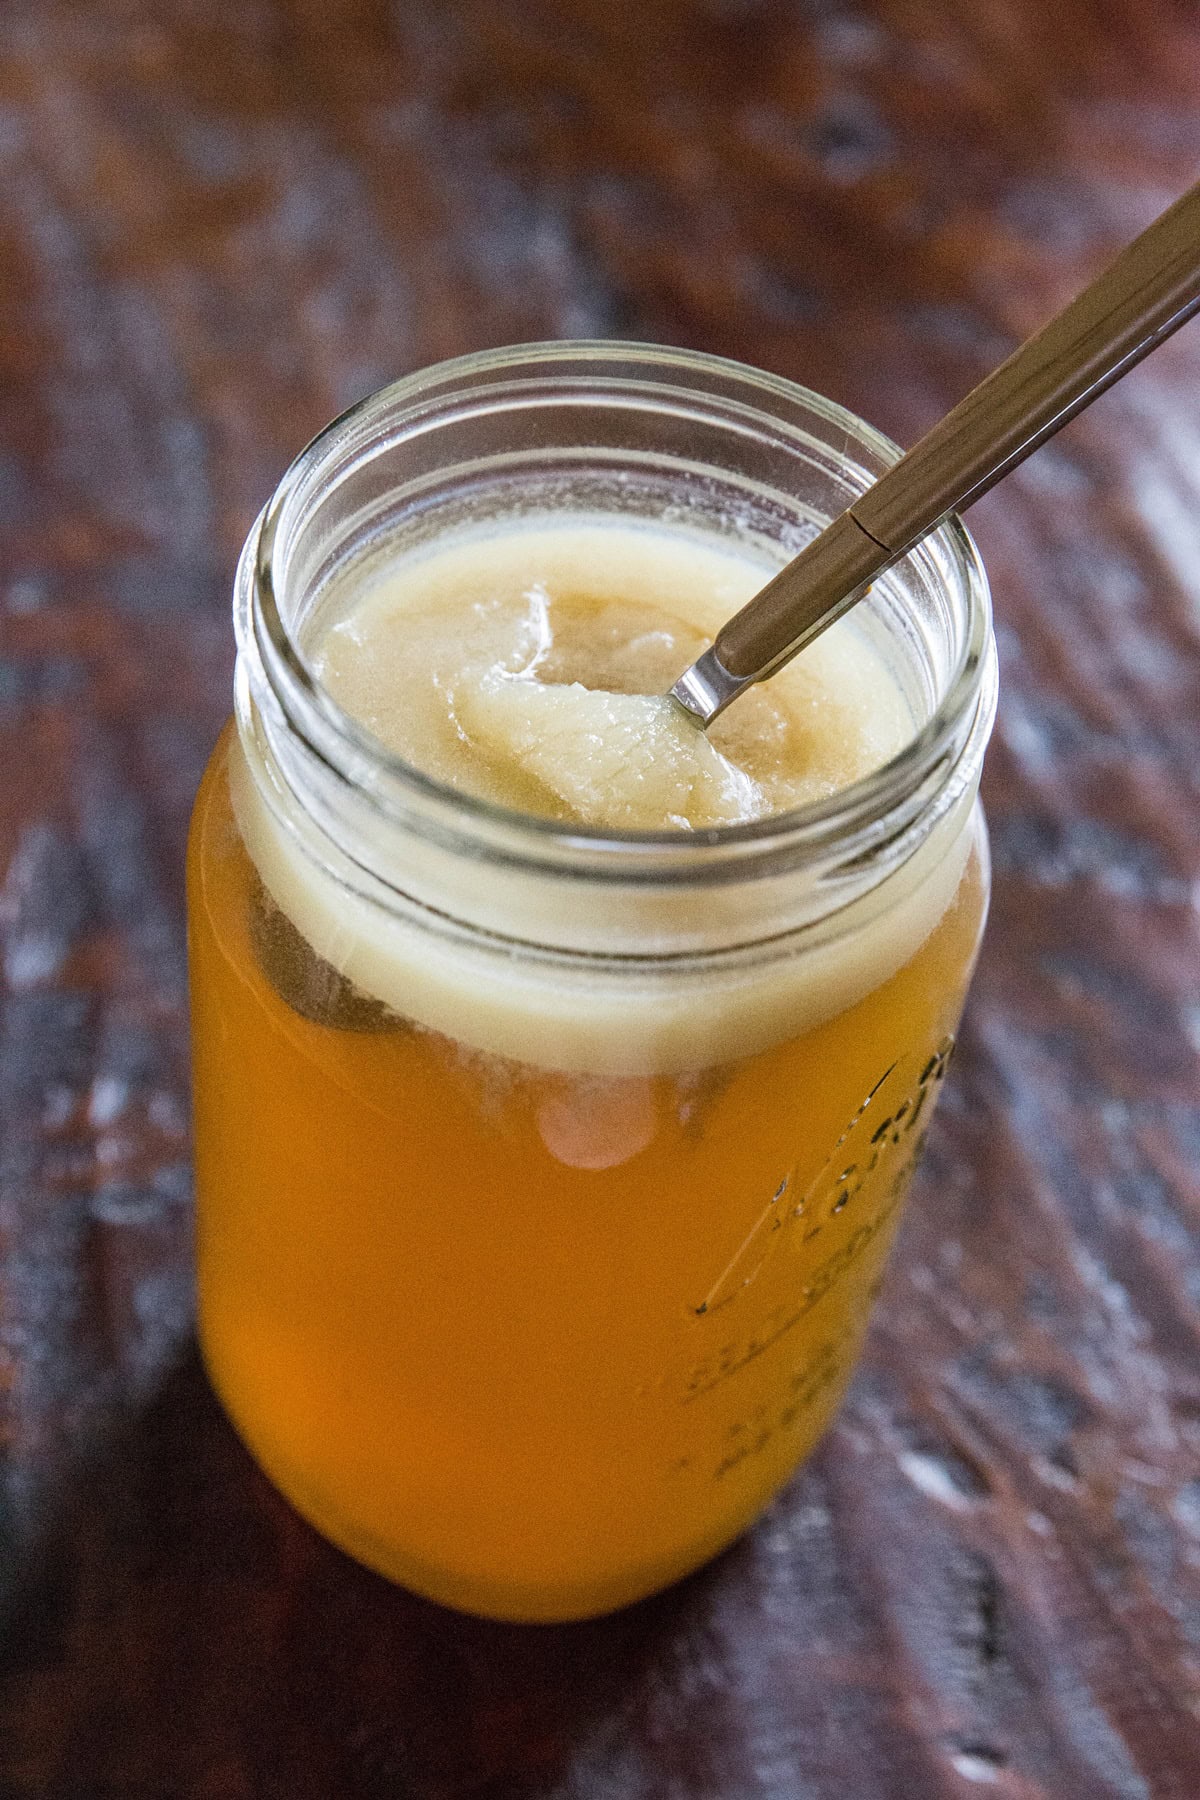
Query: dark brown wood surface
{"points": [[220, 222]]}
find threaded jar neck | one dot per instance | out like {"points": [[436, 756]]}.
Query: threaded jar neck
{"points": [[601, 428]]}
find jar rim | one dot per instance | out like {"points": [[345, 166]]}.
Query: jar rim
{"points": [[866, 810]]}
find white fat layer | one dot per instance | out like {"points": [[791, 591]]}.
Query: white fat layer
{"points": [[528, 666]]}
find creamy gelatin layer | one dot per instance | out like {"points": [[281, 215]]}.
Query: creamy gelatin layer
{"points": [[530, 668]]}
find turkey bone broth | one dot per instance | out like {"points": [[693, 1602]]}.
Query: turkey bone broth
{"points": [[545, 1174]]}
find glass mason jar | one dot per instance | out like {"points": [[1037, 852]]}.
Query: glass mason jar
{"points": [[545, 1175]]}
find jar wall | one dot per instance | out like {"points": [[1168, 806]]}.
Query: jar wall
{"points": [[545, 1177]]}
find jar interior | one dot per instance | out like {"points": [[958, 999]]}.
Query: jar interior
{"points": [[670, 460]]}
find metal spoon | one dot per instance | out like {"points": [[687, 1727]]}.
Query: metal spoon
{"points": [[1149, 291]]}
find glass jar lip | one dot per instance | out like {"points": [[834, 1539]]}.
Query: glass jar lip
{"points": [[341, 743]]}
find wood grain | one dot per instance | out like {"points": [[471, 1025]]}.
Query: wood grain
{"points": [[221, 223]]}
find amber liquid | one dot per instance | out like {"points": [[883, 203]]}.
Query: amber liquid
{"points": [[531, 1343]]}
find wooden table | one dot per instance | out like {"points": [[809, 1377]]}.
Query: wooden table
{"points": [[219, 224]]}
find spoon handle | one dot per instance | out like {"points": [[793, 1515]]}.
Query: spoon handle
{"points": [[1151, 289]]}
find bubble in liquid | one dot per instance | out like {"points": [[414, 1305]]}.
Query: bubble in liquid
{"points": [[596, 1124]]}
